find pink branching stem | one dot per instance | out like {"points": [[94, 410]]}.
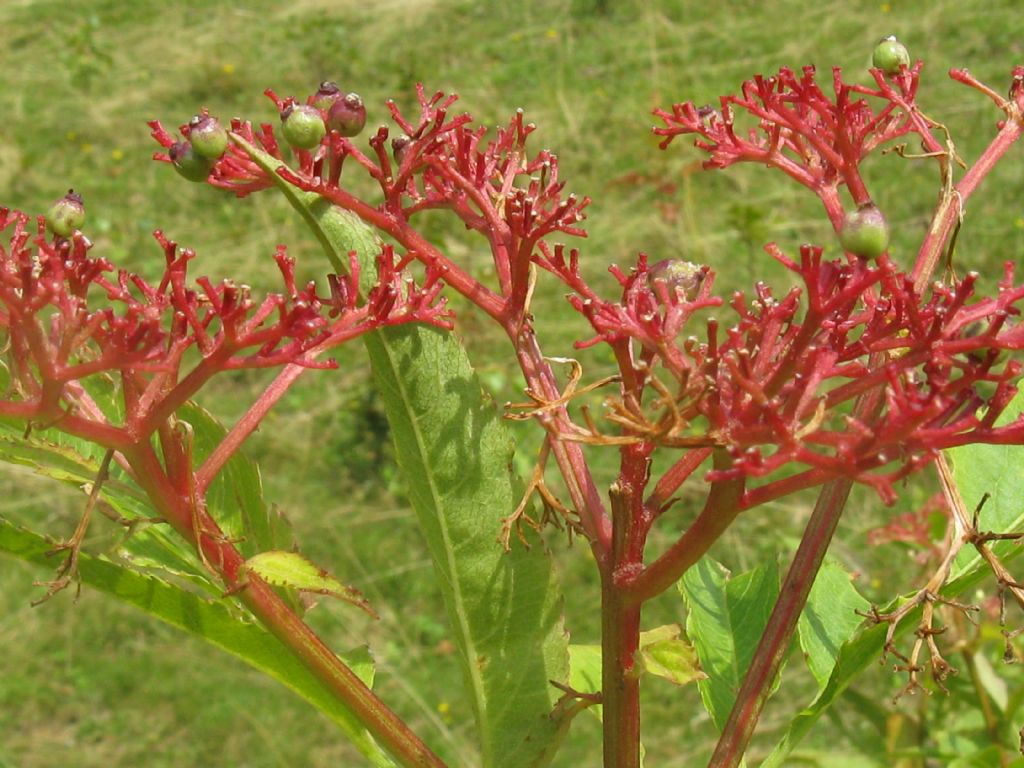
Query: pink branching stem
{"points": [[951, 207], [720, 509], [410, 239], [246, 425]]}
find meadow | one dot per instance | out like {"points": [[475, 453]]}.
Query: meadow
{"points": [[94, 683]]}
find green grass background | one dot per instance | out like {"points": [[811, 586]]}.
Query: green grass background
{"points": [[96, 684]]}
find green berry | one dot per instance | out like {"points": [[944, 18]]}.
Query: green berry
{"points": [[890, 55], [208, 136], [66, 215], [865, 232], [347, 115], [328, 93], [303, 126], [682, 276], [188, 162]]}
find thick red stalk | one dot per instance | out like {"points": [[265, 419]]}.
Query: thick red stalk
{"points": [[620, 620]]}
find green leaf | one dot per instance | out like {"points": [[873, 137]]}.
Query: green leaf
{"points": [[997, 470], [664, 653], [725, 620], [829, 619], [505, 609], [290, 569], [214, 621], [585, 672], [76, 462]]}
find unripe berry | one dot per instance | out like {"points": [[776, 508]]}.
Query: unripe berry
{"points": [[189, 163], [683, 277], [208, 137], [303, 126], [865, 232], [889, 55], [328, 93], [66, 215], [347, 115]]}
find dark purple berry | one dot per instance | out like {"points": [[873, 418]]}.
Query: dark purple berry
{"points": [[399, 145], [347, 115]]}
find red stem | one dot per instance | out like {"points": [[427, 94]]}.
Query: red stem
{"points": [[720, 509], [221, 555], [774, 642], [620, 620]]}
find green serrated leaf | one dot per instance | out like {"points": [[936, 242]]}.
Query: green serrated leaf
{"points": [[725, 620], [215, 622], [505, 609], [829, 619], [290, 569]]}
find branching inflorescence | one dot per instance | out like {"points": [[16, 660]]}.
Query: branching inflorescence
{"points": [[70, 316], [863, 373]]}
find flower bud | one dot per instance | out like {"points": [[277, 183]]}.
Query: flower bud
{"points": [[399, 145], [889, 55], [865, 232], [326, 95], [189, 163], [208, 137], [347, 115], [303, 126], [66, 215]]}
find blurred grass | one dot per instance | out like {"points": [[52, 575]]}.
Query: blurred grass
{"points": [[97, 684]]}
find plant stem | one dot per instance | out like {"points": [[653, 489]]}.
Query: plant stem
{"points": [[620, 640], [217, 551], [720, 509], [620, 686]]}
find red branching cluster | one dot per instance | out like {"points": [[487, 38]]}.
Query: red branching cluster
{"points": [[776, 388], [145, 332], [817, 140], [437, 161]]}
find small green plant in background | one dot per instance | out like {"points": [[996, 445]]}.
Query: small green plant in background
{"points": [[867, 372]]}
